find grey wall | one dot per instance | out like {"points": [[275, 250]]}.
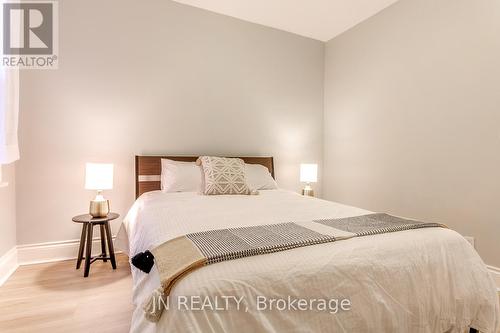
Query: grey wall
{"points": [[410, 124], [7, 210], [412, 116], [159, 78]]}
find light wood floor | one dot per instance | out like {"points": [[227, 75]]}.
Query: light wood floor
{"points": [[55, 297]]}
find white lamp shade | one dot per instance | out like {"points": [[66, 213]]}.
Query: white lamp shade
{"points": [[309, 173], [98, 176]]}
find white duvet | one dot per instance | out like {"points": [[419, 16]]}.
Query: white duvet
{"points": [[426, 280]]}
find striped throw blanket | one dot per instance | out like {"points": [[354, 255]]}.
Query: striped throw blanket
{"points": [[178, 257]]}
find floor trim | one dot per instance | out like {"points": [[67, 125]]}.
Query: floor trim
{"points": [[53, 251], [493, 269], [8, 264], [66, 250]]}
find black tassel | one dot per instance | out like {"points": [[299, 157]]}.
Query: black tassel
{"points": [[144, 261]]}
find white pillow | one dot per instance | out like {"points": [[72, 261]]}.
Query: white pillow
{"points": [[258, 177], [180, 176]]}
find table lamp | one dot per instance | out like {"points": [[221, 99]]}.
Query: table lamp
{"points": [[99, 177], [308, 175]]}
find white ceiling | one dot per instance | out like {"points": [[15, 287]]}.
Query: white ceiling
{"points": [[318, 19]]}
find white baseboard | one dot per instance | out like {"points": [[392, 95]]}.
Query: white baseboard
{"points": [[8, 265], [42, 253], [495, 272], [67, 250], [53, 251]]}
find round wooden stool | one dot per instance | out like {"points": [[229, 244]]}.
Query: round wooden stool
{"points": [[88, 223]]}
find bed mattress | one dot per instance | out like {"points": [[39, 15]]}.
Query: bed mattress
{"points": [[425, 280]]}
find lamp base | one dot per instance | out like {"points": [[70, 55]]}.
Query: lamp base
{"points": [[99, 208], [308, 191]]}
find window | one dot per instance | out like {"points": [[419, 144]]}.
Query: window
{"points": [[9, 109]]}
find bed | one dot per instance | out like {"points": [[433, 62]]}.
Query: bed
{"points": [[427, 280]]}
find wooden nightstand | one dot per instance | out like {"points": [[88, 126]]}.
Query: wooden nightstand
{"points": [[88, 223]]}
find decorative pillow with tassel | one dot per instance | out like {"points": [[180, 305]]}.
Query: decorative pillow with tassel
{"points": [[224, 175]]}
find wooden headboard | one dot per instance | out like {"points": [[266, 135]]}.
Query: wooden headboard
{"points": [[148, 170]]}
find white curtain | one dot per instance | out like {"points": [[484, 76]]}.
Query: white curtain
{"points": [[9, 110]]}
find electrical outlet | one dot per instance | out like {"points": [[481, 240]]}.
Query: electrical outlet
{"points": [[471, 240]]}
